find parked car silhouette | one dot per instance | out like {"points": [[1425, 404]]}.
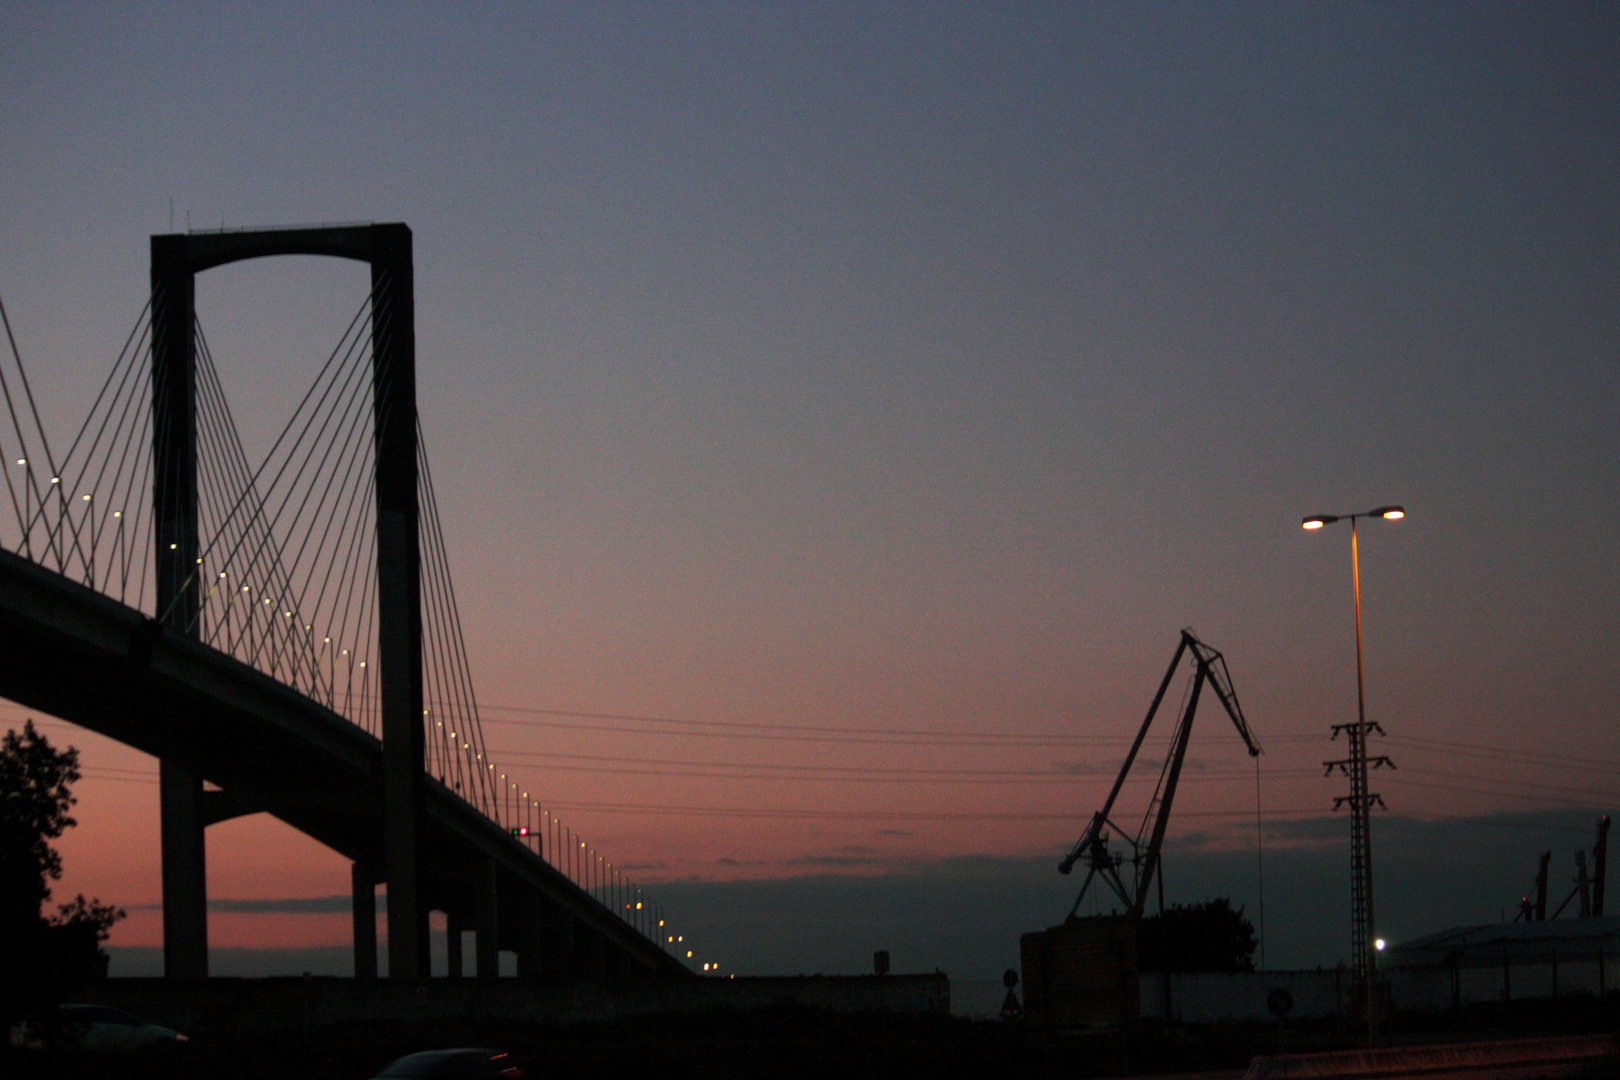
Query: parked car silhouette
{"points": [[102, 1027], [467, 1063]]}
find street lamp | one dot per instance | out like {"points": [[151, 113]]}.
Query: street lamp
{"points": [[1364, 944]]}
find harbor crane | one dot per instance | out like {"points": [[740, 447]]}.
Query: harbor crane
{"points": [[1588, 888], [1092, 849]]}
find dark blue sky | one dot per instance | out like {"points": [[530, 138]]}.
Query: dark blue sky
{"points": [[913, 367]]}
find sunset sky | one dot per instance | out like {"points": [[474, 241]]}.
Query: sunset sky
{"points": [[837, 410]]}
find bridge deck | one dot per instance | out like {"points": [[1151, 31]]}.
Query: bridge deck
{"points": [[72, 653]]}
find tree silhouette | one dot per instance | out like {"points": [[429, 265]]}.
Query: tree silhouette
{"points": [[1211, 936], [42, 958]]}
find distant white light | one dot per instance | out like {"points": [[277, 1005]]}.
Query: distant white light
{"points": [[1379, 944]]}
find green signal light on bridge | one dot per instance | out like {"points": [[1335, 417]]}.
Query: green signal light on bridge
{"points": [[519, 830]]}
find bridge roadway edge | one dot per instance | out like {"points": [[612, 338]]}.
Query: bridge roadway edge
{"points": [[74, 653]]}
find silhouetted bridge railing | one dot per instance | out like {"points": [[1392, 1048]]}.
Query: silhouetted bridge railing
{"points": [[289, 633]]}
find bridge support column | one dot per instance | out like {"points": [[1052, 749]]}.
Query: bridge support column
{"points": [[174, 527], [399, 607], [486, 923], [363, 882], [185, 874], [453, 927]]}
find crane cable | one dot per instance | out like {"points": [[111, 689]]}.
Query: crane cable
{"points": [[1260, 863]]}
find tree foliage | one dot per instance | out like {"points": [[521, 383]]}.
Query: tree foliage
{"points": [[1212, 936], [42, 957]]}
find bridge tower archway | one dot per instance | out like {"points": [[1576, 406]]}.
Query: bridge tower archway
{"points": [[176, 260]]}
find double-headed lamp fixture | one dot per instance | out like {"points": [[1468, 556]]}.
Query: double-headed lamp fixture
{"points": [[1392, 513]]}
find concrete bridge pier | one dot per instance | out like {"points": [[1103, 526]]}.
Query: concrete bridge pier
{"points": [[185, 873], [486, 922], [174, 513], [363, 883], [453, 927]]}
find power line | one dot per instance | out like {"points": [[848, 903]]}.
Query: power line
{"points": [[1584, 763], [884, 815]]}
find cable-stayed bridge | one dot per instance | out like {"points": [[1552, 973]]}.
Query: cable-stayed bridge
{"points": [[283, 636]]}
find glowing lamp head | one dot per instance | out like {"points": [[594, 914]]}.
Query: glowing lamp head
{"points": [[1390, 513], [1316, 521], [1378, 944]]}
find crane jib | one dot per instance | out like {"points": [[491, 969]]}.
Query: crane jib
{"points": [[1102, 863]]}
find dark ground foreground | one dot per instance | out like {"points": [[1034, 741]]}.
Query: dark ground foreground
{"points": [[791, 1042]]}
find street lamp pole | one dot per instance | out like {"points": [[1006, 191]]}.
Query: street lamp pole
{"points": [[1363, 936]]}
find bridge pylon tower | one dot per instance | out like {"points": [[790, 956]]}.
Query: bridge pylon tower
{"points": [[176, 260]]}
